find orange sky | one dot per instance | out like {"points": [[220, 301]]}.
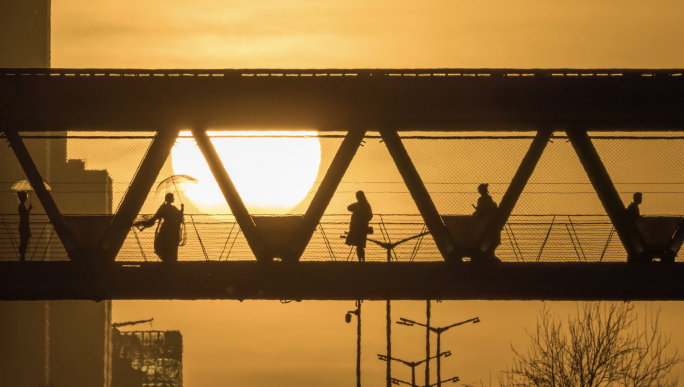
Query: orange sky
{"points": [[358, 33], [308, 344]]}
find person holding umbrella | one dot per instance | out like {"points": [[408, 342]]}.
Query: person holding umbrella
{"points": [[24, 225], [168, 235]]}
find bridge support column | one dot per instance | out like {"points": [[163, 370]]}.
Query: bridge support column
{"points": [[325, 191], [612, 203], [137, 192], [237, 206], [420, 194], [493, 231], [43, 195], [675, 244]]}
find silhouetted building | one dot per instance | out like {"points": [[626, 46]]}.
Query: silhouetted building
{"points": [[24, 343], [82, 191], [55, 343], [25, 33], [147, 358]]}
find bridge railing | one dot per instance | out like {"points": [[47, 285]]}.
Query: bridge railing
{"points": [[525, 238]]}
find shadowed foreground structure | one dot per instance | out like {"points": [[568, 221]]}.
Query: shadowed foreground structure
{"points": [[344, 281], [389, 101]]}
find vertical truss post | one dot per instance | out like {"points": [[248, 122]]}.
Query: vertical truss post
{"points": [[419, 193], [612, 203], [135, 197], [237, 206], [43, 195], [515, 189], [325, 191]]}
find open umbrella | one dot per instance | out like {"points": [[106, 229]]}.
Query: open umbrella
{"points": [[24, 185], [176, 183]]}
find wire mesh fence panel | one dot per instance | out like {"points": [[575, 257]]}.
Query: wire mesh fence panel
{"points": [[524, 239], [396, 235], [559, 185], [642, 162], [557, 218], [43, 245], [452, 169], [207, 237], [373, 171]]}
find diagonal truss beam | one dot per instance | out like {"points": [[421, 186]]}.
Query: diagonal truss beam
{"points": [[608, 194], [43, 195], [237, 206], [325, 191], [675, 244], [419, 193], [515, 189], [142, 183]]}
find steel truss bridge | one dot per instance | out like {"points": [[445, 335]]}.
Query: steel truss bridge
{"points": [[354, 101]]}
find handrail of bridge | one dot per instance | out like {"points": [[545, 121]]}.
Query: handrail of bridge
{"points": [[578, 238], [435, 72]]}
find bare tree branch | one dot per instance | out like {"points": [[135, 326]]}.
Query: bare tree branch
{"points": [[603, 345]]}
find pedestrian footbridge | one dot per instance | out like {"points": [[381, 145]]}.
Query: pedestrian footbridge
{"points": [[562, 150]]}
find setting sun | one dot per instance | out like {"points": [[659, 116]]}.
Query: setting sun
{"points": [[272, 173]]}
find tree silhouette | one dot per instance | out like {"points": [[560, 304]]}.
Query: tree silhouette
{"points": [[603, 345]]}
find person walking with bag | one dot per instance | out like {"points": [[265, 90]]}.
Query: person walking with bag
{"points": [[358, 226]]}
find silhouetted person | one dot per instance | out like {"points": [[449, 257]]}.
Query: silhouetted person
{"points": [[168, 234], [485, 209], [485, 204], [633, 208], [358, 226], [24, 225]]}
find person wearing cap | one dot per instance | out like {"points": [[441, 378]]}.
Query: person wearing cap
{"points": [[485, 204], [358, 226], [633, 208]]}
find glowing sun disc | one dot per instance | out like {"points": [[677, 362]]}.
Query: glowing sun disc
{"points": [[272, 174]]}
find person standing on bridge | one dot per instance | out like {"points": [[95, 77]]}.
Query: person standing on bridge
{"points": [[633, 208], [485, 210], [358, 226], [24, 224], [170, 230], [486, 207]]}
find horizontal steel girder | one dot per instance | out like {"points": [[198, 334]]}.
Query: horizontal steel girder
{"points": [[340, 99], [343, 281]]}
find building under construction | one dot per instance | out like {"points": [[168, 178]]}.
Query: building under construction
{"points": [[147, 358]]}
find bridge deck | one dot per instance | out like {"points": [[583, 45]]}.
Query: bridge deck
{"points": [[343, 281]]}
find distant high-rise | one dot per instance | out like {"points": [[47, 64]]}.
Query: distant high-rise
{"points": [[25, 43], [55, 343], [25, 33]]}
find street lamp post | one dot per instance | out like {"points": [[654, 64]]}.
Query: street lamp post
{"points": [[397, 381], [427, 343], [412, 364], [348, 318], [438, 331]]}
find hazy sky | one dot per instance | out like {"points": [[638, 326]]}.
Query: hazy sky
{"points": [[363, 33], [308, 344]]}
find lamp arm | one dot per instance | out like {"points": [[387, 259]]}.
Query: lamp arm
{"points": [[461, 323]]}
